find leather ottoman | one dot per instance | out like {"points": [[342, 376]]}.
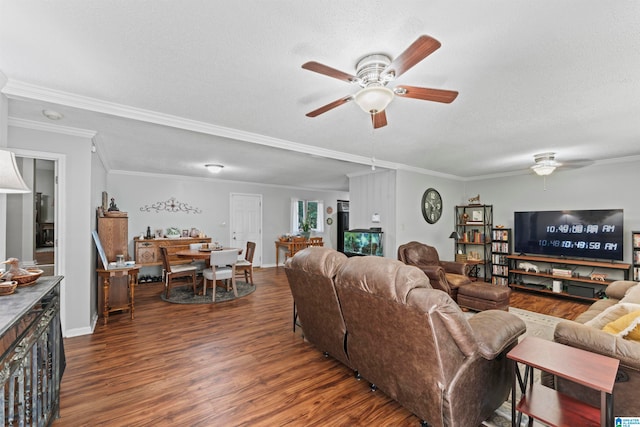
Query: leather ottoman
{"points": [[480, 296]]}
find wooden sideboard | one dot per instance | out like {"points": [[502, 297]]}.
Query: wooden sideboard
{"points": [[31, 354], [147, 251]]}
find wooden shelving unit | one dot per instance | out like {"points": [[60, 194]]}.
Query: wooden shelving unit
{"points": [[579, 285], [474, 224], [500, 249]]}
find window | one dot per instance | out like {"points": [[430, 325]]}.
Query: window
{"points": [[311, 210]]}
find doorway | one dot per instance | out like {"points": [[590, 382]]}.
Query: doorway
{"points": [[246, 223], [31, 217]]}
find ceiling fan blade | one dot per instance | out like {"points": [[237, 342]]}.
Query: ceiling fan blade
{"points": [[437, 95], [330, 106], [379, 119], [328, 71], [419, 49]]}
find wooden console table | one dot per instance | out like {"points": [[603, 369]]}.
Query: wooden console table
{"points": [[106, 276], [147, 251], [550, 406]]}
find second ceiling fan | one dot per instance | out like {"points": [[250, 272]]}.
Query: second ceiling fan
{"points": [[374, 72]]}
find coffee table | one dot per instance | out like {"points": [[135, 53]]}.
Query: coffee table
{"points": [[550, 406]]}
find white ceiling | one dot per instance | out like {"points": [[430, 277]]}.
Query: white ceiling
{"points": [[171, 85]]}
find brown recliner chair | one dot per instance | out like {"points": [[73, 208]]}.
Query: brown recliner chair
{"points": [[415, 344], [310, 273], [447, 276]]}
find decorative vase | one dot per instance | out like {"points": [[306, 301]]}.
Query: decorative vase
{"points": [[305, 234]]}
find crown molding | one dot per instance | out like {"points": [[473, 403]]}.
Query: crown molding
{"points": [[225, 181], [26, 91], [48, 127]]}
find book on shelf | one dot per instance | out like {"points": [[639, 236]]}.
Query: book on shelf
{"points": [[474, 223], [636, 240]]}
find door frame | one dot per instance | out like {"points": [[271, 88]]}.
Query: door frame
{"points": [[59, 216]]}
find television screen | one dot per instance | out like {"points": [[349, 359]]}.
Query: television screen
{"points": [[579, 233]]}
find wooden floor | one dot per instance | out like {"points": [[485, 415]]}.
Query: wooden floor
{"points": [[229, 364]]}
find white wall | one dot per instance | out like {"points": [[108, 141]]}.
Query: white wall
{"points": [[600, 186], [133, 191], [76, 238], [374, 193], [606, 185]]}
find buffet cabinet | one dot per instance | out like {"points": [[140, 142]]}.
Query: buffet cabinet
{"points": [[32, 352], [147, 251]]}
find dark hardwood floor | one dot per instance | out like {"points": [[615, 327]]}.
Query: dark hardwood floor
{"points": [[229, 364]]}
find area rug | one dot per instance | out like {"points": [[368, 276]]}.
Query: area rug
{"points": [[538, 325], [184, 294]]}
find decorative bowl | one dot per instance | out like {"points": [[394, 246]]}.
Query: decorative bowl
{"points": [[28, 279], [7, 288]]}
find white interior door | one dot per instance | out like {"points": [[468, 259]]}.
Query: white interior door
{"points": [[246, 223]]}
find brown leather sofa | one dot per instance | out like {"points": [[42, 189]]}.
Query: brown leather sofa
{"points": [[586, 333], [447, 276], [411, 341], [310, 273]]}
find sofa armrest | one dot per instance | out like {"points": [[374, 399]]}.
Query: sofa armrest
{"points": [[495, 331], [437, 277], [594, 340], [455, 267]]}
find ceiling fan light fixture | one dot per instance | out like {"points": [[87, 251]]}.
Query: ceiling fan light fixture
{"points": [[373, 99], [214, 168], [543, 170], [545, 164]]}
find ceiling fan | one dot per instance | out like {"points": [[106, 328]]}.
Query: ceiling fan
{"points": [[374, 72]]}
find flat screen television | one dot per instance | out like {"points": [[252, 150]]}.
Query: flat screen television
{"points": [[596, 234]]}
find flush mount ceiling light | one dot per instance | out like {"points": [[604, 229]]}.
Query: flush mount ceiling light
{"points": [[214, 168], [52, 115], [10, 179], [545, 163]]}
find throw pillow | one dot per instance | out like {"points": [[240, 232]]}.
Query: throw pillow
{"points": [[611, 314], [628, 326]]}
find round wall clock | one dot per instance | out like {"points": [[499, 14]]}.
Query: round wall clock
{"points": [[431, 205]]}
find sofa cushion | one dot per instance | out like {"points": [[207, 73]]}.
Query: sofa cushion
{"points": [[632, 295], [628, 326], [611, 314], [619, 288]]}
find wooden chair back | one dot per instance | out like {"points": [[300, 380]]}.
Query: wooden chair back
{"points": [[316, 241], [251, 249]]}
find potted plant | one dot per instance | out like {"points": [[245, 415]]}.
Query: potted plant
{"points": [[305, 228]]}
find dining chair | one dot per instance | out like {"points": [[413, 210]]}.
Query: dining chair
{"points": [[316, 241], [294, 247], [176, 272], [223, 267], [245, 266]]}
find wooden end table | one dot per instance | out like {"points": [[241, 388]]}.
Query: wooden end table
{"points": [[132, 280], [550, 406]]}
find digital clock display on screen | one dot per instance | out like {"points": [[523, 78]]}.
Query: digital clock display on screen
{"points": [[594, 234]]}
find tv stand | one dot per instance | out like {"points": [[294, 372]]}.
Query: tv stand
{"points": [[579, 284]]}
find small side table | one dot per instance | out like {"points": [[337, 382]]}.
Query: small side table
{"points": [[132, 280], [550, 406]]}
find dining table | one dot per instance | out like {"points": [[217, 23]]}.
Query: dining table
{"points": [[200, 254]]}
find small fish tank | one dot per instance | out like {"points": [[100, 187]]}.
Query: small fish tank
{"points": [[363, 242]]}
